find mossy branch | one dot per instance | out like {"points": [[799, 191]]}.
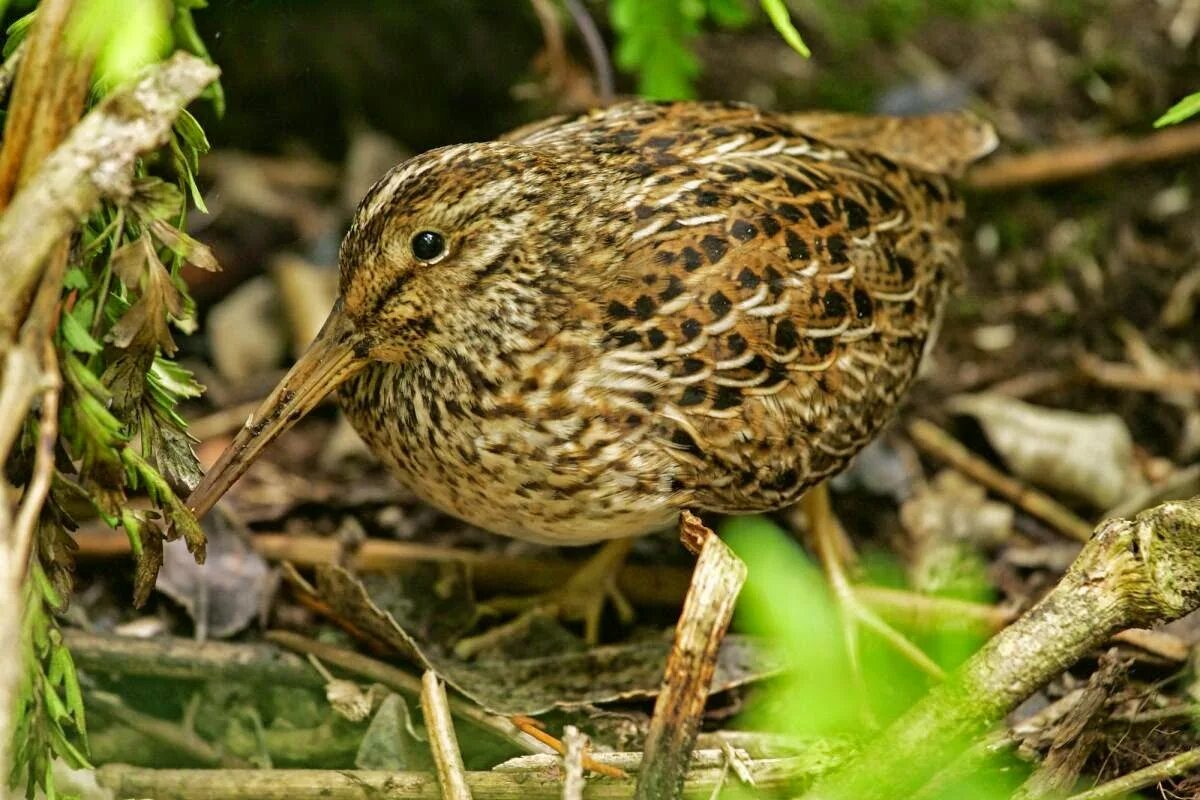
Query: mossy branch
{"points": [[1131, 573]]}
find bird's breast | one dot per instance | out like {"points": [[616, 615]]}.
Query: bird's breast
{"points": [[522, 451]]}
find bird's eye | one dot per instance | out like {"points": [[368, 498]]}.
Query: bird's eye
{"points": [[428, 245]]}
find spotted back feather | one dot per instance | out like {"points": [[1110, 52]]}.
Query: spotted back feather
{"points": [[721, 307]]}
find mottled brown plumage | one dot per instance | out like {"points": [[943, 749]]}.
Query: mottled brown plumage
{"points": [[643, 309]]}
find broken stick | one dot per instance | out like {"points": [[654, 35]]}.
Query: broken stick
{"points": [[707, 611]]}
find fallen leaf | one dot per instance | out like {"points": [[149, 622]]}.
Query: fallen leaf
{"points": [[1089, 456], [535, 685], [226, 594]]}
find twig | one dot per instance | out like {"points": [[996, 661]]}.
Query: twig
{"points": [[25, 525], [491, 572], [95, 160], [770, 775], [1076, 736], [1142, 778], [928, 612], [401, 681], [707, 611], [1127, 376], [941, 445], [1131, 573], [495, 572], [222, 422], [597, 50], [162, 731], [443, 743], [1083, 159], [534, 728], [186, 659], [1159, 643], [576, 747]]}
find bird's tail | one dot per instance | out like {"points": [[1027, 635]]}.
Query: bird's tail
{"points": [[944, 143]]}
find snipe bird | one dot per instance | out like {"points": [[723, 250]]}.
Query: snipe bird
{"points": [[575, 332]]}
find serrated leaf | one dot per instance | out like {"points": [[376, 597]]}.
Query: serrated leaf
{"points": [[146, 320], [55, 705], [62, 673], [67, 751], [49, 594], [169, 449], [174, 379], [76, 278], [16, 33], [1186, 108], [189, 249], [148, 564]]}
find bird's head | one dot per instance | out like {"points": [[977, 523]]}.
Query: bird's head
{"points": [[450, 241]]}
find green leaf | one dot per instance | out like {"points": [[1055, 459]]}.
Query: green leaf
{"points": [[127, 34], [778, 13], [192, 134], [1184, 109], [654, 41], [16, 33], [49, 594], [62, 672], [728, 13], [76, 278], [74, 331]]}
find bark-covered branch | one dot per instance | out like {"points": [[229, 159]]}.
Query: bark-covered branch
{"points": [[1132, 573]]}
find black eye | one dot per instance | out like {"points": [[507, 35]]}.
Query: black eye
{"points": [[428, 245]]}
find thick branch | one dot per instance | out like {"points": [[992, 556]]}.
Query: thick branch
{"points": [[1132, 573], [302, 784], [96, 160]]}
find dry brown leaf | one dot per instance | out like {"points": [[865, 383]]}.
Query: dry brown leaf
{"points": [[535, 685], [138, 267]]}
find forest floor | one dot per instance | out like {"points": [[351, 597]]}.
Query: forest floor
{"points": [[1082, 297]]}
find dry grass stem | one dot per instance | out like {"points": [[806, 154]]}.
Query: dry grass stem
{"points": [[1127, 376], [443, 743], [544, 783], [944, 447], [534, 728]]}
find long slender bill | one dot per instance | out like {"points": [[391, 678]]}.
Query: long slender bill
{"points": [[329, 361]]}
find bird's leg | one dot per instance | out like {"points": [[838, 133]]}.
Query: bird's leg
{"points": [[831, 545], [582, 598]]}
